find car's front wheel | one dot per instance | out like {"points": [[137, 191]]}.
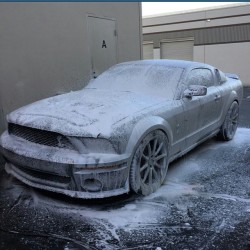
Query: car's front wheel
{"points": [[150, 163], [230, 124]]}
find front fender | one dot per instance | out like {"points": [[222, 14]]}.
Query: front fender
{"points": [[145, 126]]}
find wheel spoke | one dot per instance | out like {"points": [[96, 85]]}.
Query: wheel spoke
{"points": [[149, 149], [144, 167], [145, 175], [154, 147], [155, 173], [157, 165], [145, 157], [160, 157], [158, 150]]}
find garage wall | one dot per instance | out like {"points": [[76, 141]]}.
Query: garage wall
{"points": [[231, 58], [44, 47]]}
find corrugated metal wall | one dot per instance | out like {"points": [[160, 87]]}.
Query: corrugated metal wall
{"points": [[215, 35], [230, 34]]}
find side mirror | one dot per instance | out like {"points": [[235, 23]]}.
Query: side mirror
{"points": [[195, 90]]}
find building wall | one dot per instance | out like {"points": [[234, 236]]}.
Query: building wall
{"points": [[221, 36], [230, 58], [45, 51], [208, 18]]}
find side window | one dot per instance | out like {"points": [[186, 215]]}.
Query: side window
{"points": [[200, 77]]}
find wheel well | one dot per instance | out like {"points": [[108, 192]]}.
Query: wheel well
{"points": [[164, 132]]}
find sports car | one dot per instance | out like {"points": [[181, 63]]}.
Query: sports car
{"points": [[122, 130]]}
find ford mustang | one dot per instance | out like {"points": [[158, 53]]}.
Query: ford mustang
{"points": [[122, 130]]}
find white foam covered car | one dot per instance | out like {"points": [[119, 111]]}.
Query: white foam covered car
{"points": [[121, 131]]}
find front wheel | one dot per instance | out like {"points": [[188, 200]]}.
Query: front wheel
{"points": [[230, 124], [150, 163]]}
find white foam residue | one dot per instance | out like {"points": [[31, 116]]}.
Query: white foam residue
{"points": [[172, 190], [230, 197], [131, 215], [89, 112], [150, 79]]}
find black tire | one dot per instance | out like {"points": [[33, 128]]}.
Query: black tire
{"points": [[150, 163], [230, 124]]}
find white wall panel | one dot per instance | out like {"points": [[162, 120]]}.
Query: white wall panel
{"points": [[231, 58], [148, 51]]}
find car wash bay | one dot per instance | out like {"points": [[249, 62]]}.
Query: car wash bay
{"points": [[204, 204]]}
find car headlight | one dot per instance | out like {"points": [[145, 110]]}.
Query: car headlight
{"points": [[92, 145]]}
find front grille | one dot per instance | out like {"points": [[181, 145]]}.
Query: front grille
{"points": [[39, 136]]}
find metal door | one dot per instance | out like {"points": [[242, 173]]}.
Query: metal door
{"points": [[103, 43], [177, 49]]}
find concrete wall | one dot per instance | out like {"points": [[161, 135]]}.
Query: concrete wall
{"points": [[199, 19], [230, 58], [44, 47]]}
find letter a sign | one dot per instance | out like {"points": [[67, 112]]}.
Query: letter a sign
{"points": [[104, 44]]}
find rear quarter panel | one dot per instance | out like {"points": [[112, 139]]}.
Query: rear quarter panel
{"points": [[231, 90]]}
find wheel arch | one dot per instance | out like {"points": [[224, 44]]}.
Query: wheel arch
{"points": [[233, 97], [145, 126], [227, 132]]}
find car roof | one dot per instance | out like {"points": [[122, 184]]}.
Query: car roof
{"points": [[166, 62]]}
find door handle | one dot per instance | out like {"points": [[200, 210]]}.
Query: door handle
{"points": [[217, 98]]}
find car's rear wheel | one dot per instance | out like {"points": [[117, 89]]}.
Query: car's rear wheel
{"points": [[230, 124], [150, 163]]}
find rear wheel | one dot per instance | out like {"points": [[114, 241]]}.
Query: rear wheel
{"points": [[150, 163], [230, 124]]}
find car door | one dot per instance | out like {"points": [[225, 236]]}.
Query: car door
{"points": [[192, 111], [201, 112], [211, 104]]}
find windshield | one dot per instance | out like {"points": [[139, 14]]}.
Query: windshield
{"points": [[147, 79]]}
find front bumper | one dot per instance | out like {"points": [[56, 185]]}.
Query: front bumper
{"points": [[108, 177]]}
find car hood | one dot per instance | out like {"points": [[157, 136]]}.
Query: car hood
{"points": [[88, 113]]}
